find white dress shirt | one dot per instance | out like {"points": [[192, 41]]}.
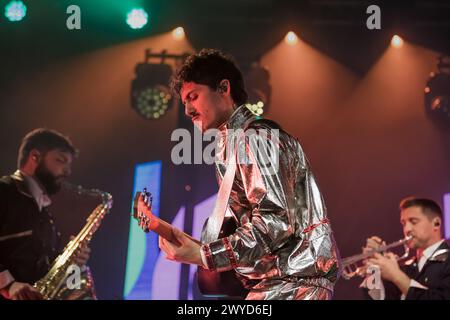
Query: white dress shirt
{"points": [[39, 195]]}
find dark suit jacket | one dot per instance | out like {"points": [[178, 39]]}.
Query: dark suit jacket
{"points": [[28, 239], [435, 275]]}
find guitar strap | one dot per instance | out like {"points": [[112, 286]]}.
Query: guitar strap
{"points": [[215, 221]]}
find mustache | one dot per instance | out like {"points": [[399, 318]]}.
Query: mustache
{"points": [[193, 114]]}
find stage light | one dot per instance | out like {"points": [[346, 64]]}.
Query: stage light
{"points": [[137, 18], [397, 42], [437, 92], [256, 108], [150, 93], [15, 11], [291, 38], [178, 33], [257, 82]]}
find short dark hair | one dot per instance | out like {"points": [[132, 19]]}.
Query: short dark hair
{"points": [[209, 67], [43, 140], [429, 207]]}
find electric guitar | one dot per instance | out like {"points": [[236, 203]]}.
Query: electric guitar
{"points": [[210, 283]]}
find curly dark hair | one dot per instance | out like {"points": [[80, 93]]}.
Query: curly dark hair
{"points": [[209, 67]]}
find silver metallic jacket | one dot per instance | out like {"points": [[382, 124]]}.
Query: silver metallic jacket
{"points": [[283, 247]]}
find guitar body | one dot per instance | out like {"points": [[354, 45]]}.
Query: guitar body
{"points": [[213, 284], [221, 284]]}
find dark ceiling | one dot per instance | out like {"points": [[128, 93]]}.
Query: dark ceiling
{"points": [[242, 27]]}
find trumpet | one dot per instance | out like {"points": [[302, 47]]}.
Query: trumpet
{"points": [[352, 265]]}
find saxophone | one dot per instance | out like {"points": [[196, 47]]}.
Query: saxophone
{"points": [[53, 286]]}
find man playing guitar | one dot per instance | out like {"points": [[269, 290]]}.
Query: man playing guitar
{"points": [[283, 246]]}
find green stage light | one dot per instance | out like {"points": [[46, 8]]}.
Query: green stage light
{"points": [[137, 18], [15, 11]]}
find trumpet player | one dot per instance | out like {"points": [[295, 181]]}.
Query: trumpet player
{"points": [[427, 275], [29, 241]]}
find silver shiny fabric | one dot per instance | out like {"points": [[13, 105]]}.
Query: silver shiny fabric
{"points": [[283, 247]]}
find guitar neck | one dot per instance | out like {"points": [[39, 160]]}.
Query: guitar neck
{"points": [[165, 230]]}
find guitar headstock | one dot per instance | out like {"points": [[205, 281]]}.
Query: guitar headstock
{"points": [[142, 209]]}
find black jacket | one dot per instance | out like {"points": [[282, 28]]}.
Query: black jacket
{"points": [[29, 240], [435, 275]]}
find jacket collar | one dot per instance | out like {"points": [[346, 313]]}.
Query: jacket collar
{"points": [[28, 186], [19, 179], [240, 117], [441, 254]]}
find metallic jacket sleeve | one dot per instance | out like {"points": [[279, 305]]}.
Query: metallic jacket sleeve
{"points": [[268, 223], [283, 231]]}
